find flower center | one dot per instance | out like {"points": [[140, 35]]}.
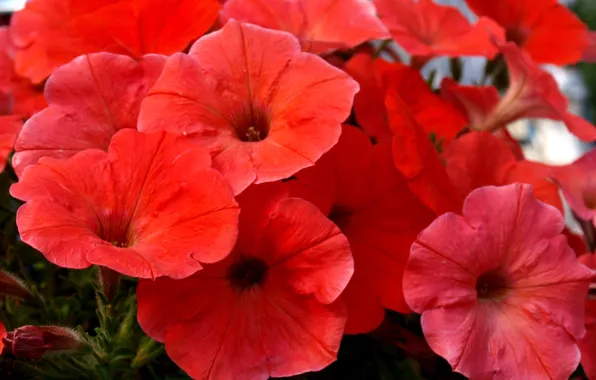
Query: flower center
{"points": [[491, 285], [590, 199], [252, 124], [247, 273], [114, 229], [518, 35]]}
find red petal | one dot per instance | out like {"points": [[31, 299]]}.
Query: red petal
{"points": [[10, 126]]}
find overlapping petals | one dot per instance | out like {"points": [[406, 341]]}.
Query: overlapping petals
{"points": [[128, 209], [548, 31], [270, 309], [532, 93], [426, 29], [262, 108], [371, 203], [500, 286], [50, 33], [90, 99], [587, 344], [320, 25]]}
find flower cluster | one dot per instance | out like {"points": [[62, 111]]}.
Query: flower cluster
{"points": [[277, 176]]}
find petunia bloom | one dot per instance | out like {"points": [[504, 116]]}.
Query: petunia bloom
{"points": [[500, 286], [578, 184], [426, 29], [548, 31], [50, 33], [90, 99], [151, 206], [359, 188], [532, 93], [270, 309], [249, 95], [320, 25]]}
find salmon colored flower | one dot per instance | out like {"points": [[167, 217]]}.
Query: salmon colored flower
{"points": [[376, 76], [90, 99], [500, 286], [270, 309], [578, 184], [426, 29], [545, 29], [10, 126], [50, 33], [151, 206], [532, 93], [587, 344], [262, 108], [33, 342], [320, 25], [359, 188], [470, 167]]}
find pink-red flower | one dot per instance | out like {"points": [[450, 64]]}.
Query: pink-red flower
{"points": [[50, 33], [10, 126], [320, 25], [587, 344], [578, 184], [545, 29], [90, 99], [270, 309], [151, 206], [532, 93], [500, 286], [426, 29], [249, 95], [359, 188]]}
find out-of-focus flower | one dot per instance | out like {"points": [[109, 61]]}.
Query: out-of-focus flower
{"points": [[11, 285]]}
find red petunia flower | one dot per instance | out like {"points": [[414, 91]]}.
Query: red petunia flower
{"points": [[500, 286], [271, 308], [470, 167], [426, 29], [359, 188], [320, 25], [578, 184], [90, 99], [10, 126], [262, 108], [532, 93], [376, 76], [50, 33], [587, 344], [547, 30], [128, 209]]}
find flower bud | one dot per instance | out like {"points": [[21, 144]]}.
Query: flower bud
{"points": [[32, 342], [11, 285]]}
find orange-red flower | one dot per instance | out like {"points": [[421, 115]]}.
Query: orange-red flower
{"points": [[151, 206], [359, 188], [376, 76], [50, 33], [426, 29], [90, 99], [263, 108], [545, 29], [532, 93], [320, 25], [270, 309], [500, 286]]}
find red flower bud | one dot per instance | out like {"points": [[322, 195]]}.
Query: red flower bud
{"points": [[11, 285], [32, 342]]}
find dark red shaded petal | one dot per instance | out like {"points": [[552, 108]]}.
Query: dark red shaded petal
{"points": [[128, 209], [294, 102], [426, 29], [90, 99], [10, 126], [320, 25], [48, 34], [547, 30], [590, 52]]}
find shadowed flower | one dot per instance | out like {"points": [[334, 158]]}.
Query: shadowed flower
{"points": [[270, 309], [426, 29], [128, 209], [369, 199], [90, 99], [262, 108], [587, 344], [50, 33], [10, 126], [545, 29], [320, 25], [500, 286], [33, 342]]}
